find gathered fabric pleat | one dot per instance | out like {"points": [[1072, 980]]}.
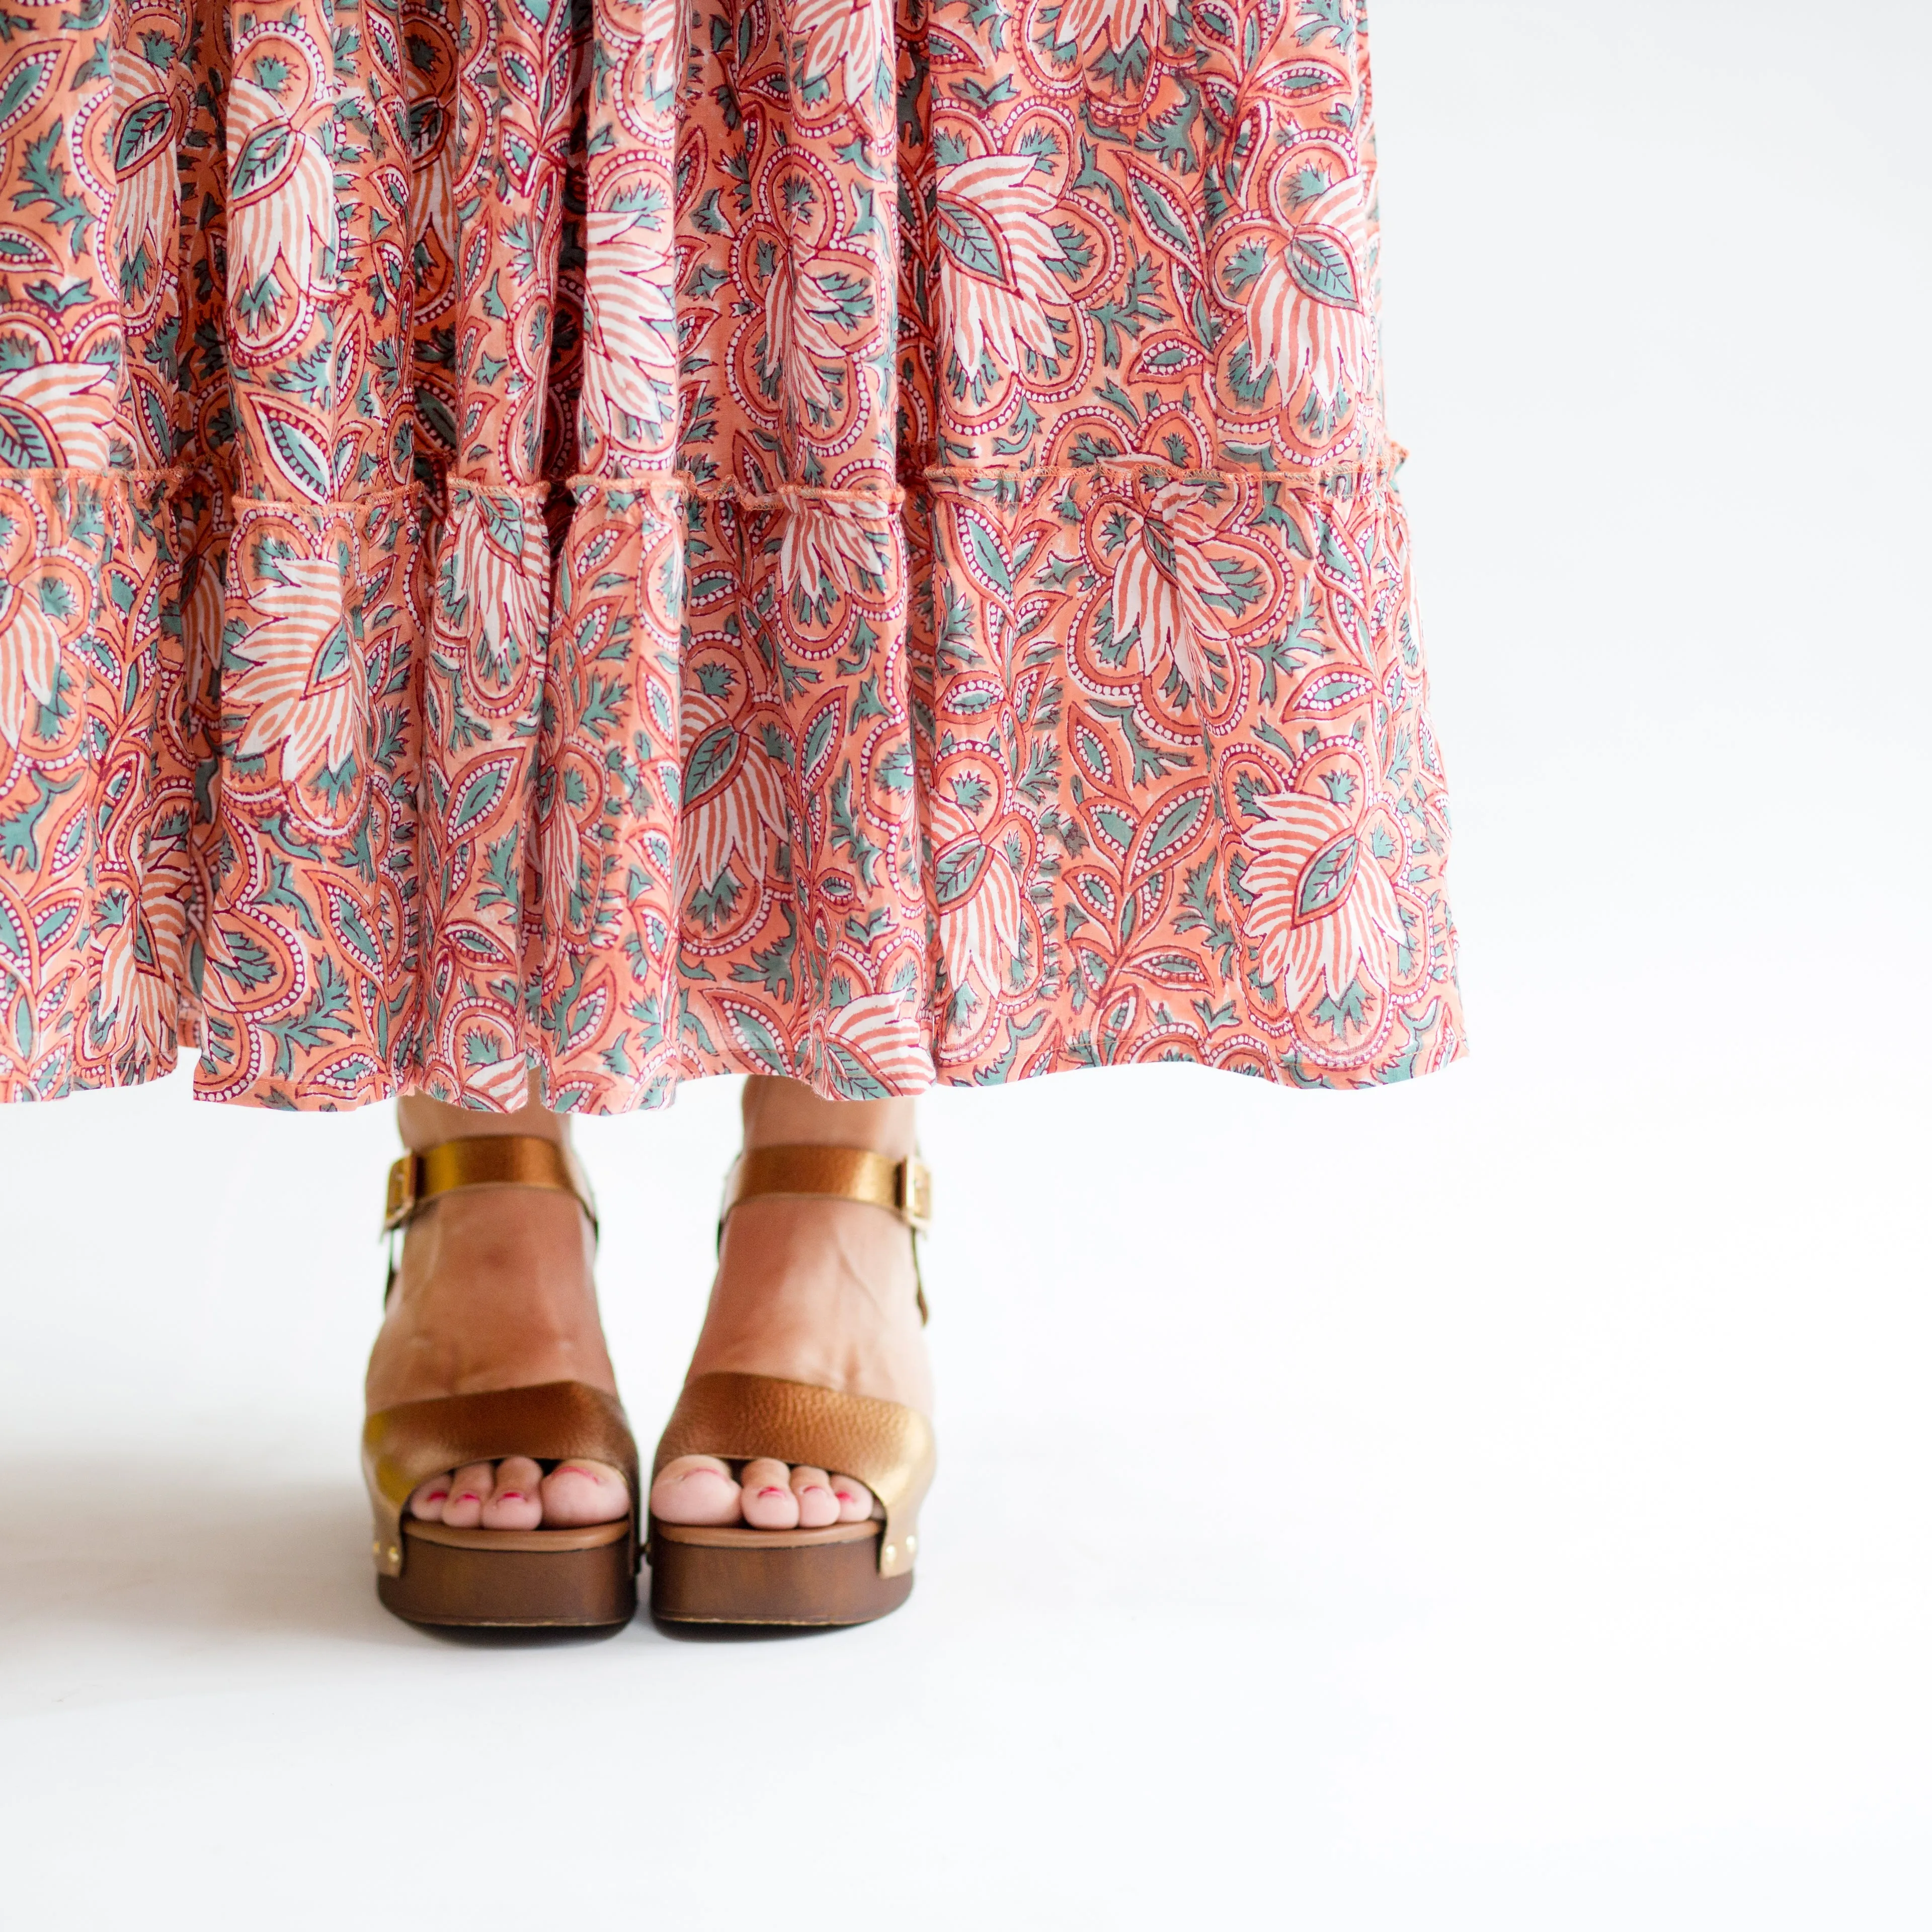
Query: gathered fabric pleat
{"points": [[633, 539]]}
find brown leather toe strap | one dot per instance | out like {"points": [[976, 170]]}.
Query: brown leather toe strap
{"points": [[551, 1421], [888, 1447]]}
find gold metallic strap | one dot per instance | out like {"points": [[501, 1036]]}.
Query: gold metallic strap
{"points": [[903, 1188], [489, 1160]]}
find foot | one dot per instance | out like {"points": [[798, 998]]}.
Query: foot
{"points": [[495, 1291], [811, 1290]]}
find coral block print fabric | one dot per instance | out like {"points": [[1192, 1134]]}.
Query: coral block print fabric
{"points": [[642, 540]]}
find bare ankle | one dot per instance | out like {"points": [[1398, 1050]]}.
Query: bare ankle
{"points": [[786, 1113]]}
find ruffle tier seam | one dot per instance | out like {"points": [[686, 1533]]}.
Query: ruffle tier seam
{"points": [[980, 479]]}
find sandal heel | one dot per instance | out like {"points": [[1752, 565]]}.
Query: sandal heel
{"points": [[534, 1580], [812, 1577]]}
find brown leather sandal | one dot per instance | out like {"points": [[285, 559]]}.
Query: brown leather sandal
{"points": [[847, 1573], [428, 1573]]}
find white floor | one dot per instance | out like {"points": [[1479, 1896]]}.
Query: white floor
{"points": [[1508, 1502]]}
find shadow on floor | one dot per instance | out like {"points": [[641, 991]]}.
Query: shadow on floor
{"points": [[182, 1544], [161, 1544]]}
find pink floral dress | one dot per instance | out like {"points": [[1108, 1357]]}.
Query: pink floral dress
{"points": [[637, 540]]}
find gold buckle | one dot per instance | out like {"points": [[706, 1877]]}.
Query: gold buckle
{"points": [[405, 1182], [912, 1193]]}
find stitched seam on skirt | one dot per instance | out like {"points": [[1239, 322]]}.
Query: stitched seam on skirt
{"points": [[884, 497], [332, 506], [977, 480], [111, 474], [153, 484], [1391, 457]]}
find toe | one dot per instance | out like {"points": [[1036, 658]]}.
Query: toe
{"points": [[469, 1489], [768, 1502], [817, 1505], [576, 1493], [427, 1499], [855, 1500], [695, 1489], [515, 1503]]}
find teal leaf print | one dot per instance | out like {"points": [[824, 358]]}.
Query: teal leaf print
{"points": [[147, 126], [963, 233], [1166, 214], [1325, 883], [711, 758], [1321, 267], [27, 80], [299, 455], [755, 1036], [956, 870], [477, 800], [262, 157], [1176, 826], [23, 443]]}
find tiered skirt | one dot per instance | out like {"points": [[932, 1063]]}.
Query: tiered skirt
{"points": [[649, 540]]}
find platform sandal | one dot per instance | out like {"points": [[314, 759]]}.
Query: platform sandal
{"points": [[847, 1572], [429, 1572]]}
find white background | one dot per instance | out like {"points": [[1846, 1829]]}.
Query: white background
{"points": [[1499, 1504]]}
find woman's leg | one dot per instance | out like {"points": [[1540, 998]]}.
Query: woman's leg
{"points": [[495, 1291], [813, 1291]]}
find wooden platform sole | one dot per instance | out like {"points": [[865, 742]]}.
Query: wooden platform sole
{"points": [[801, 1577], [515, 1579]]}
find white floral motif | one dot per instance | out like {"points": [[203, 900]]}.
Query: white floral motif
{"points": [[630, 337], [854, 35], [1309, 316], [59, 413], [828, 544], [996, 236], [147, 197], [300, 680], [978, 895], [800, 355], [492, 612], [30, 647], [1082, 23], [1323, 910], [281, 219], [734, 806], [1165, 584]]}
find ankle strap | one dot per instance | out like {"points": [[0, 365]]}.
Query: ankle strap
{"points": [[489, 1160], [903, 1188]]}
